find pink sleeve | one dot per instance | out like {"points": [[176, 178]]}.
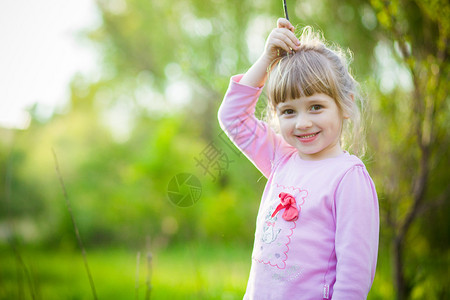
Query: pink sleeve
{"points": [[252, 136], [357, 230]]}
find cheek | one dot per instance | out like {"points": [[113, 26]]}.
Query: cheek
{"points": [[284, 125], [336, 124]]}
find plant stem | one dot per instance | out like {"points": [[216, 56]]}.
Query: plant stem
{"points": [[77, 233], [138, 258], [149, 276]]}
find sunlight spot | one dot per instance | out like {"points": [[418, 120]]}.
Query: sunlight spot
{"points": [[368, 18], [195, 26], [390, 73], [178, 94], [120, 119], [256, 34]]}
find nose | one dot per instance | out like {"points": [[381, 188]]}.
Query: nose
{"points": [[303, 122]]}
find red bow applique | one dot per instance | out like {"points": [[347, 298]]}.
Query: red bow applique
{"points": [[288, 202]]}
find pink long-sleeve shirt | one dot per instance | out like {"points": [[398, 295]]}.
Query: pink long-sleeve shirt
{"points": [[330, 251]]}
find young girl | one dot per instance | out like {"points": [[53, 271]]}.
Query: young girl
{"points": [[317, 226]]}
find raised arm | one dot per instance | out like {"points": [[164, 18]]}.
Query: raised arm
{"points": [[236, 114]]}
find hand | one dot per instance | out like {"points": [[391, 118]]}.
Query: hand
{"points": [[281, 40]]}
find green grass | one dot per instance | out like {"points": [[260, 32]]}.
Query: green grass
{"points": [[183, 272]]}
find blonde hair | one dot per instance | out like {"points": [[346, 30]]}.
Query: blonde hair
{"points": [[318, 68]]}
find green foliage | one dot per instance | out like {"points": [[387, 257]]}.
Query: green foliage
{"points": [[152, 115]]}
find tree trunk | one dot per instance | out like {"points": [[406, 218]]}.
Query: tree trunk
{"points": [[399, 276]]}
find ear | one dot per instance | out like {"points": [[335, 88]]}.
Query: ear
{"points": [[347, 116]]}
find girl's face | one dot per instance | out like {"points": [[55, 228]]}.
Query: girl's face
{"points": [[312, 125]]}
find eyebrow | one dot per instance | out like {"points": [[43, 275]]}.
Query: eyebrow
{"points": [[317, 100], [307, 101]]}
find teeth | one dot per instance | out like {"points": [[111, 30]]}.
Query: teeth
{"points": [[307, 136]]}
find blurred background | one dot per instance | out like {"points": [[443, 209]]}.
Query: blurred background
{"points": [[116, 99]]}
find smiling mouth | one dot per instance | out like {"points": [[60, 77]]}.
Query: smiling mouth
{"points": [[307, 136]]}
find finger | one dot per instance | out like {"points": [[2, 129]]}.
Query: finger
{"points": [[281, 45], [287, 37], [284, 23]]}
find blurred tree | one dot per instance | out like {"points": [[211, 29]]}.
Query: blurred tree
{"points": [[417, 127]]}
